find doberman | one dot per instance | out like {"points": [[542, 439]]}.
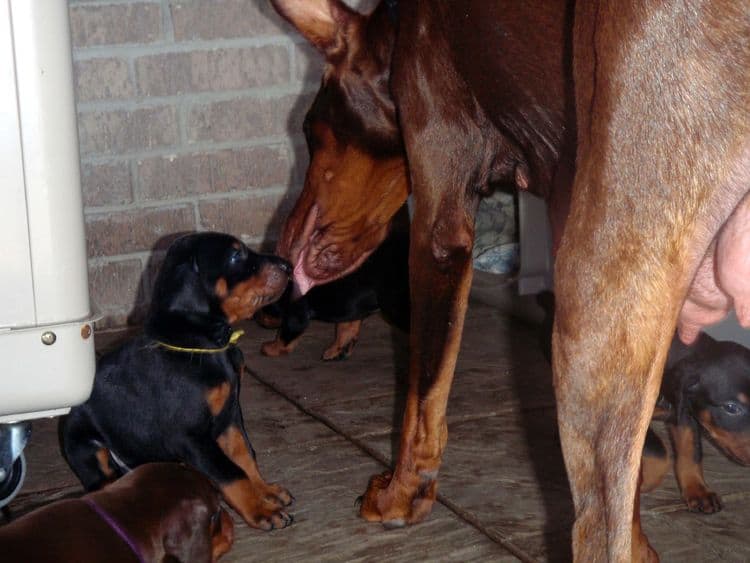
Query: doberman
{"points": [[157, 512], [172, 393], [705, 391], [630, 117], [380, 284]]}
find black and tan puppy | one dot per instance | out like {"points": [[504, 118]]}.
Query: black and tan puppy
{"points": [[705, 391], [380, 284], [158, 512], [171, 394]]}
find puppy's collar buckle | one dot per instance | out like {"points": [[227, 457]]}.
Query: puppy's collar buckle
{"points": [[235, 336]]}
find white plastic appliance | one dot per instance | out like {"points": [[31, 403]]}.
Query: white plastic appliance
{"points": [[46, 335]]}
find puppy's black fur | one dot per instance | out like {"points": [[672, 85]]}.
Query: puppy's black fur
{"points": [[171, 394], [705, 391], [381, 283]]}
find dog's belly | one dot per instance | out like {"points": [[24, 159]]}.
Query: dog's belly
{"points": [[722, 281]]}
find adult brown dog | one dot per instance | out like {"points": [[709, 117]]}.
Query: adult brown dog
{"points": [[639, 108], [157, 512]]}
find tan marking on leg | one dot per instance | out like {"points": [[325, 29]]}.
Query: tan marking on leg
{"points": [[276, 348], [232, 443], [347, 335], [102, 458], [689, 473], [653, 470]]}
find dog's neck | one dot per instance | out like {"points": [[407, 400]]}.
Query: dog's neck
{"points": [[188, 329]]}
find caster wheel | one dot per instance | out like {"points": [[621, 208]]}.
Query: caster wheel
{"points": [[13, 481]]}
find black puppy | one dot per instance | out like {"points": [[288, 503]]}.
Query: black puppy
{"points": [[381, 283], [705, 390], [171, 394]]}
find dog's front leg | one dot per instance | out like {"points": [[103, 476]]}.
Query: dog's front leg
{"points": [[230, 464]]}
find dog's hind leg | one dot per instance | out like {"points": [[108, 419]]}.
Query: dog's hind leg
{"points": [[655, 462], [85, 451]]}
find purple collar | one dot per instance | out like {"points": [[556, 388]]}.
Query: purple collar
{"points": [[112, 523]]}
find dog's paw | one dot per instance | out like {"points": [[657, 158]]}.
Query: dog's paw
{"points": [[703, 500], [339, 352], [394, 504], [274, 349], [261, 505], [269, 513]]}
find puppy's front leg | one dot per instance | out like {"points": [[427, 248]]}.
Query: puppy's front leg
{"points": [[260, 504], [236, 446]]}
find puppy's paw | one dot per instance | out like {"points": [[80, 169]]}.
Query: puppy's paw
{"points": [[703, 500], [339, 352], [274, 349], [261, 505]]}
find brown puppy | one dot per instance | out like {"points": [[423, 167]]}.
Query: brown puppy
{"points": [[157, 512]]}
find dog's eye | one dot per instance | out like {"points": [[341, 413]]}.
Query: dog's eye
{"points": [[235, 258], [730, 407]]}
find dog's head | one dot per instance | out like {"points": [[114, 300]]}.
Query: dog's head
{"points": [[215, 275], [178, 508], [717, 386]]}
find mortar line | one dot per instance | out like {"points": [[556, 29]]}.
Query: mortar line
{"points": [[461, 514]]}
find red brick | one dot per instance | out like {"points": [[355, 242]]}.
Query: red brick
{"points": [[138, 230], [106, 184], [174, 176], [98, 79], [224, 171], [254, 217], [218, 19], [309, 64], [114, 24], [215, 70], [256, 167], [112, 132], [246, 118], [114, 285]]}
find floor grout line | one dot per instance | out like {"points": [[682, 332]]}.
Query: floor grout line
{"points": [[377, 456]]}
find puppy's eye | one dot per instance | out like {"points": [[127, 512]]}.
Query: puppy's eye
{"points": [[235, 258], [732, 408]]}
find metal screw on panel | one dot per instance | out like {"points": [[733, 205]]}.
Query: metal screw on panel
{"points": [[49, 337]]}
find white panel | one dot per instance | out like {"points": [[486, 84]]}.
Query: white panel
{"points": [[45, 377], [16, 289], [49, 140]]}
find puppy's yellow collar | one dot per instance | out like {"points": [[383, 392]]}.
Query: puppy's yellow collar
{"points": [[236, 334]]}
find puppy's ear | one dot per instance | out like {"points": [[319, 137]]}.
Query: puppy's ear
{"points": [[186, 537], [690, 387]]}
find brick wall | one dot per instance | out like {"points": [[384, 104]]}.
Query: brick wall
{"points": [[189, 119]]}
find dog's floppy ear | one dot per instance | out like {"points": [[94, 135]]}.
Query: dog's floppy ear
{"points": [[322, 22], [186, 536], [687, 374]]}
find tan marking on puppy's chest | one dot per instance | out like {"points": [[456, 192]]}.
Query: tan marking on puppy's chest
{"points": [[217, 397]]}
